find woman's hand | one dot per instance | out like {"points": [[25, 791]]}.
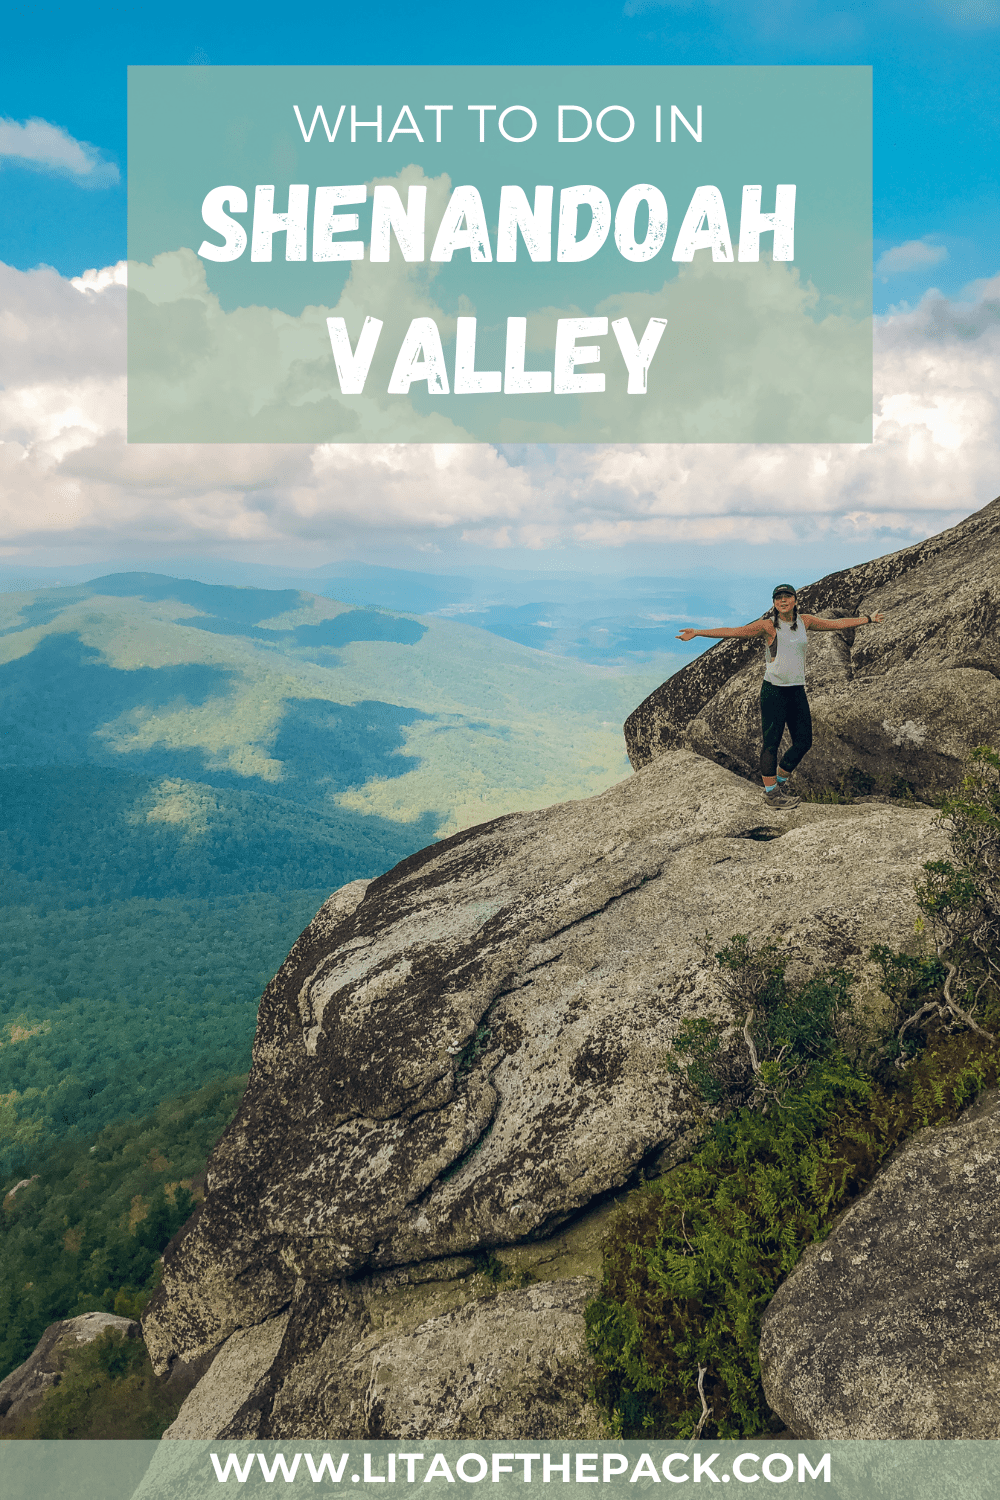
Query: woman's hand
{"points": [[687, 634], [875, 619]]}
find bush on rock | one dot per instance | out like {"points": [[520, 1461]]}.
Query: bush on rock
{"points": [[800, 1114]]}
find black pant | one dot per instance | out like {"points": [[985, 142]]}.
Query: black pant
{"points": [[780, 706]]}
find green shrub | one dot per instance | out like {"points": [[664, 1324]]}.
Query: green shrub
{"points": [[800, 1115], [783, 1031], [107, 1390], [691, 1261]]}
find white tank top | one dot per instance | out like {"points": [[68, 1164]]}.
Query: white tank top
{"points": [[788, 669]]}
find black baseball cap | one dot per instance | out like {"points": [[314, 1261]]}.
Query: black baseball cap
{"points": [[782, 588]]}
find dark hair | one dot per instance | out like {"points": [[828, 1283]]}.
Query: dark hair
{"points": [[772, 646], [795, 616]]}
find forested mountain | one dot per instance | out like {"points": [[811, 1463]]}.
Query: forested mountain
{"points": [[284, 693], [189, 769]]}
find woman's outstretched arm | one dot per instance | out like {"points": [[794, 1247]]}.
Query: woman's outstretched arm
{"points": [[813, 622], [756, 627]]}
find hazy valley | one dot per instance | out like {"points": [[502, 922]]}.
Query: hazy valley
{"points": [[190, 769]]}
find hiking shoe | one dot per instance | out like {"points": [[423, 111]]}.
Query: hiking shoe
{"points": [[781, 801]]}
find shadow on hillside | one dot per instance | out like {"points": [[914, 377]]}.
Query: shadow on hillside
{"points": [[227, 611], [59, 700]]}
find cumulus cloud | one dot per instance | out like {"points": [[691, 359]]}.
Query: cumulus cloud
{"points": [[915, 255], [69, 479], [99, 281], [50, 148]]}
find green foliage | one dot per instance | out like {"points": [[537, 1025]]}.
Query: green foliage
{"points": [[489, 1265], [973, 816], [959, 899], [473, 1050], [799, 1125], [783, 1030], [692, 1260], [948, 893], [906, 978], [120, 1005], [107, 1390], [965, 897], [87, 1232]]}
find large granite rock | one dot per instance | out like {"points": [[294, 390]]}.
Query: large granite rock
{"points": [[513, 1366], [890, 1328], [24, 1389], [908, 698], [417, 1350], [468, 1053]]}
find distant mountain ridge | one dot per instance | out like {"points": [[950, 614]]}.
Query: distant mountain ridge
{"points": [[626, 621], [188, 770], [292, 695], [231, 611]]}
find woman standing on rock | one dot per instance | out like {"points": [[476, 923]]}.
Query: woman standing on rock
{"points": [[783, 698]]}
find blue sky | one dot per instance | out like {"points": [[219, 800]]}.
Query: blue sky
{"points": [[937, 100], [73, 490]]}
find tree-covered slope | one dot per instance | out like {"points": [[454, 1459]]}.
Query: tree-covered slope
{"points": [[188, 770], [84, 1232], [288, 694]]}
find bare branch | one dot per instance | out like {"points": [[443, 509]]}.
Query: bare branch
{"points": [[927, 1006], [706, 1410], [754, 1061], [956, 1009]]}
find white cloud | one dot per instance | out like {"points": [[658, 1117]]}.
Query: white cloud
{"points": [[68, 479], [50, 148], [99, 281], [915, 255]]}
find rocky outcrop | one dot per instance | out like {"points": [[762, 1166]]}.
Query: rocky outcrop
{"points": [[24, 1389], [469, 1053], [512, 1366], [908, 698], [339, 1370], [890, 1328]]}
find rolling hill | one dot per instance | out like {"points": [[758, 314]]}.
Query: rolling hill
{"points": [[189, 769]]}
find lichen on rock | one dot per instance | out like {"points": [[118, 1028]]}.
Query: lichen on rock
{"points": [[890, 1327], [464, 1057]]}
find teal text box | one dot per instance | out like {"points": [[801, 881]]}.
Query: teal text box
{"points": [[655, 302]]}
